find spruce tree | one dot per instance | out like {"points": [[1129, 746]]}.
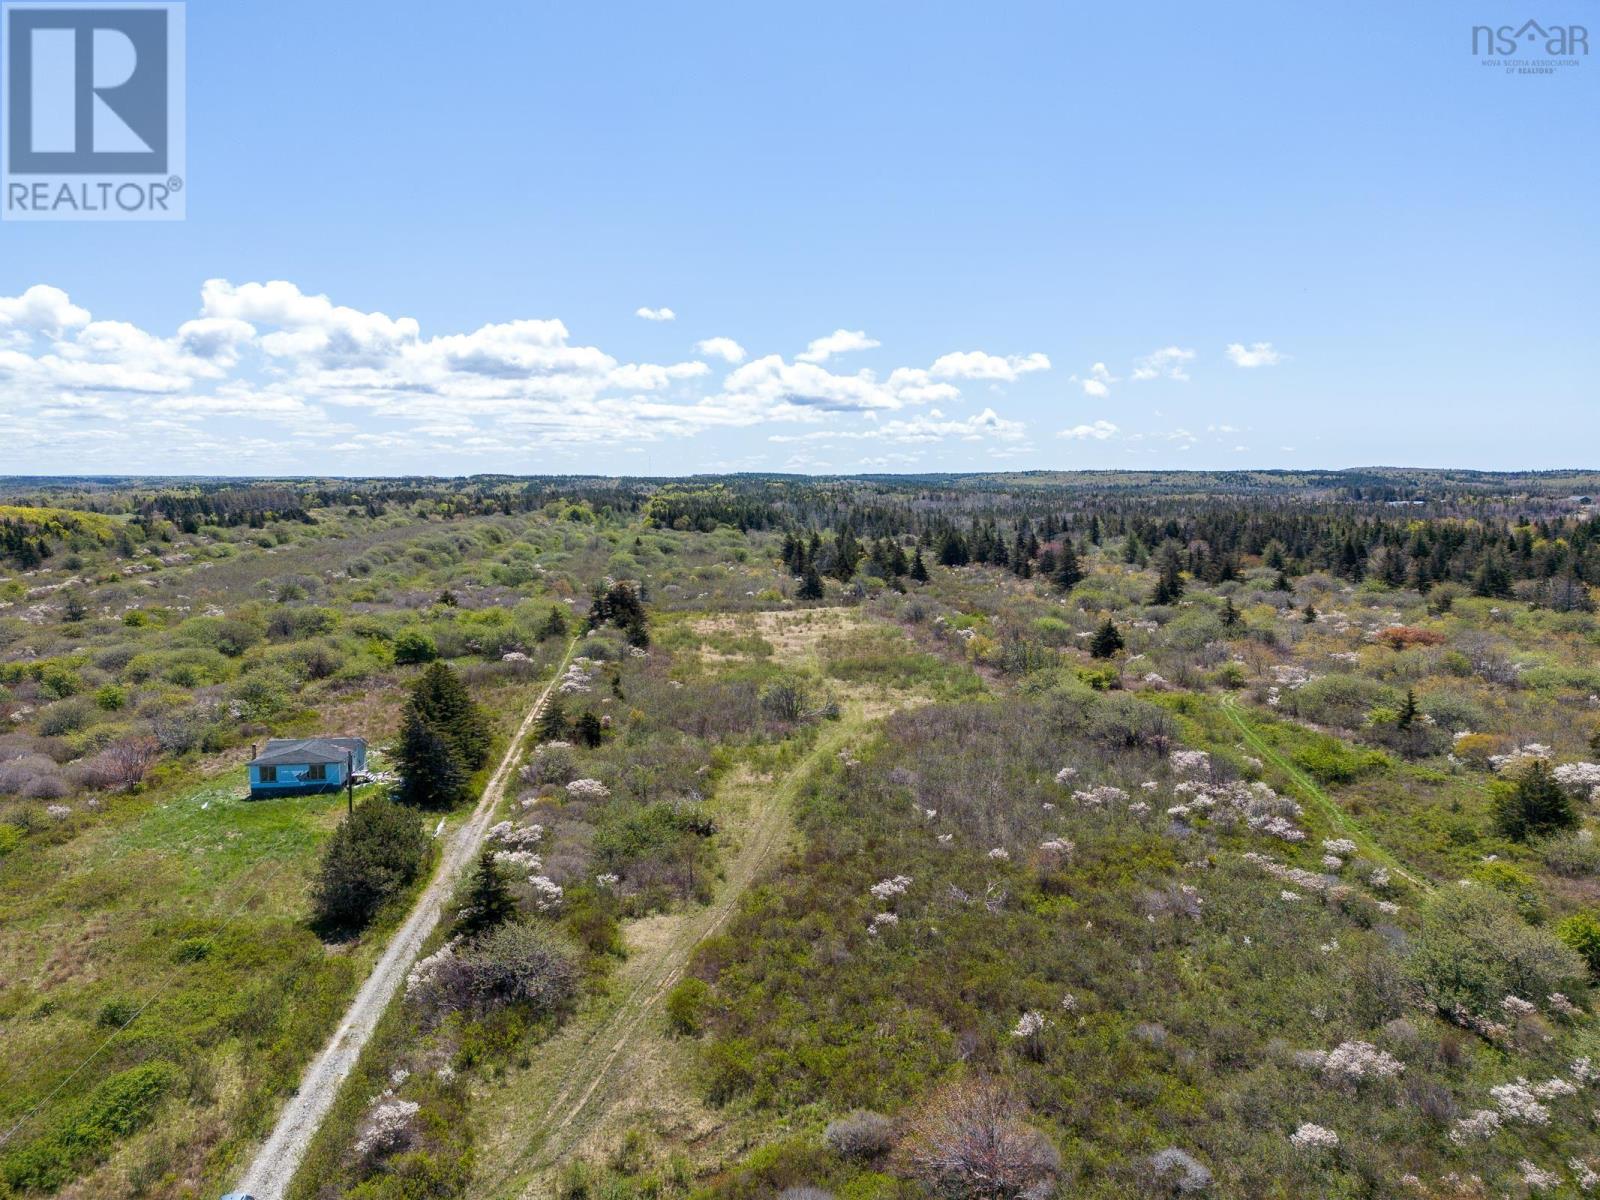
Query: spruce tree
{"points": [[1069, 572], [919, 569], [553, 721], [442, 700], [811, 585], [1408, 711], [1169, 580], [431, 775], [1535, 804], [1230, 614], [489, 903], [1107, 640]]}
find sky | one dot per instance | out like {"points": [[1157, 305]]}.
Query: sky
{"points": [[832, 238]]}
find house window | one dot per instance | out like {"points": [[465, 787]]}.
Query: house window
{"points": [[268, 774], [316, 772]]}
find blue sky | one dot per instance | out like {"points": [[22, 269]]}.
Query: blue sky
{"points": [[1021, 235]]}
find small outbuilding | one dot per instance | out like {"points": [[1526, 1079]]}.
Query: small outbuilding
{"points": [[301, 766]]}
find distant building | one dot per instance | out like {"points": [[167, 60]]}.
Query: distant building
{"points": [[301, 766]]}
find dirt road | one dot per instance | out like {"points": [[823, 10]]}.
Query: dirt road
{"points": [[279, 1157]]}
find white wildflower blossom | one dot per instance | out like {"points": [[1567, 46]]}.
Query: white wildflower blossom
{"points": [[1480, 1126], [896, 886], [1029, 1024], [1314, 1137], [1518, 1102]]}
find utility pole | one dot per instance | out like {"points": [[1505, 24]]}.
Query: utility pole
{"points": [[350, 782]]}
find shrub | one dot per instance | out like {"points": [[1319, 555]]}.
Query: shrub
{"points": [[687, 1004], [1474, 950], [860, 1135], [414, 646], [1581, 933], [522, 965], [374, 853], [970, 1142]]}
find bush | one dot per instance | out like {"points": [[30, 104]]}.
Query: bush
{"points": [[519, 965], [1581, 933], [376, 852], [414, 646], [861, 1135], [687, 1004], [1474, 950], [970, 1142]]}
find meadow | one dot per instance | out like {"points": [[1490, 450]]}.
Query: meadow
{"points": [[989, 837]]}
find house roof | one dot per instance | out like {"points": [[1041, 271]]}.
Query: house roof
{"points": [[286, 751]]}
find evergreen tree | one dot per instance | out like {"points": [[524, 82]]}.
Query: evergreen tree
{"points": [[1107, 640], [1309, 617], [919, 569], [441, 699], [1408, 711], [553, 721], [374, 853], [555, 623], [1281, 583], [489, 903], [1230, 614], [431, 775], [1169, 579], [587, 730], [1534, 805], [811, 585], [1068, 573]]}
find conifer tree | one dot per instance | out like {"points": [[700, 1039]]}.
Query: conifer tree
{"points": [[1069, 572], [919, 569], [489, 903], [431, 775], [1107, 640], [811, 584]]}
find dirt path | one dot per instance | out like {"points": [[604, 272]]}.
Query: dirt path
{"points": [[1331, 812], [617, 1057], [279, 1157]]}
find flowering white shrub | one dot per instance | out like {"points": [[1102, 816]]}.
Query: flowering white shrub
{"points": [[1189, 762], [59, 812], [1069, 1002], [1000, 854], [547, 894], [1583, 1174], [1480, 1126], [1516, 1006], [1552, 1088], [1356, 1062], [1314, 1137], [515, 836], [1584, 1071], [1099, 797], [1562, 1006], [882, 921], [1029, 1024], [426, 970], [891, 887], [587, 789], [519, 860], [1537, 1178], [1582, 779], [1342, 846], [1518, 1102], [607, 880], [388, 1126], [1332, 862], [1290, 896]]}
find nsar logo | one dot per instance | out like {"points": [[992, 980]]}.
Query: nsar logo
{"points": [[93, 127], [1531, 48]]}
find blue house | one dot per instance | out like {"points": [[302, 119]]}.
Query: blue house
{"points": [[301, 766]]}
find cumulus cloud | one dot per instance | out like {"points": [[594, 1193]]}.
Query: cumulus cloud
{"points": [[1097, 430], [976, 364], [1170, 362], [276, 374], [840, 341], [1257, 354], [41, 309], [724, 348], [656, 314], [931, 427]]}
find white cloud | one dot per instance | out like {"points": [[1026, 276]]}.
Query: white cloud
{"points": [[656, 314], [840, 341], [976, 364], [1170, 362], [931, 427], [721, 347], [1095, 388], [42, 309], [1257, 354], [1098, 430]]}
